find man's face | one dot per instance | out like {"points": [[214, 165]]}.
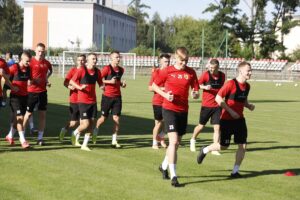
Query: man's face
{"points": [[213, 68], [115, 58], [80, 61], [25, 60], [164, 62], [39, 52], [92, 60], [181, 62], [245, 72]]}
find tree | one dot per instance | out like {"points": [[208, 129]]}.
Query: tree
{"points": [[225, 18], [160, 34], [281, 24], [185, 31], [11, 26], [137, 10]]}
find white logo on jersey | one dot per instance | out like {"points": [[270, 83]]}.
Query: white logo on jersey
{"points": [[84, 114], [18, 111], [171, 127]]}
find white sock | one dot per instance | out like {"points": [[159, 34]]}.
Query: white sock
{"points": [[21, 135], [193, 140], [205, 150], [11, 132], [77, 137], [41, 133], [86, 140], [154, 143], [76, 132], [114, 137], [172, 168], [235, 169], [31, 124], [165, 163]]}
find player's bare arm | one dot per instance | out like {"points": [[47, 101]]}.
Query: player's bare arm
{"points": [[78, 87], [205, 87], [195, 94], [220, 101], [250, 106], [167, 95]]}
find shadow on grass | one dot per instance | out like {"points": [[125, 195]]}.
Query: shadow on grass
{"points": [[135, 132], [272, 148], [274, 101], [245, 174]]}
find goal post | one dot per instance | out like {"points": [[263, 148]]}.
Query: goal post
{"points": [[128, 61]]}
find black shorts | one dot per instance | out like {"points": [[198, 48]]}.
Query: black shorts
{"points": [[18, 104], [212, 113], [175, 121], [113, 104], [157, 110], [74, 112], [6, 87], [37, 98], [87, 111], [236, 127]]}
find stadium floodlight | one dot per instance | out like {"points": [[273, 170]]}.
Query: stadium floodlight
{"points": [[128, 61]]}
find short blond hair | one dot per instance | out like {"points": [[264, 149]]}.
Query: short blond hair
{"points": [[182, 53]]}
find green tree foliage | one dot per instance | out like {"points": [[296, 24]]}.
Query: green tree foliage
{"points": [[225, 18], [281, 24], [185, 31], [253, 31], [143, 50], [161, 34], [11, 26], [296, 54], [137, 11]]}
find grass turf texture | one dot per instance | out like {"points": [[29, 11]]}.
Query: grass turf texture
{"points": [[60, 171]]}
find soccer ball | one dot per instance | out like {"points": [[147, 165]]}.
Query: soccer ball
{"points": [[296, 84]]}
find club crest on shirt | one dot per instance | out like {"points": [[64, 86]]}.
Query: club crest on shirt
{"points": [[186, 76]]}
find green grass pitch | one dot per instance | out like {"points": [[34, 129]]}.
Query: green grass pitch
{"points": [[60, 171]]}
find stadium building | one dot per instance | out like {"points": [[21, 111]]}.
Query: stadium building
{"points": [[78, 24]]}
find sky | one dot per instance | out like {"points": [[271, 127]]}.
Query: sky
{"points": [[194, 8]]}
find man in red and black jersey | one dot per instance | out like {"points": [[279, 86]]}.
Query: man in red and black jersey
{"points": [[20, 74], [41, 70], [4, 72], [84, 80], [235, 93], [177, 80], [74, 109], [111, 98], [157, 100], [211, 82]]}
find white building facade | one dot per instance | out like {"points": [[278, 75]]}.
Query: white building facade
{"points": [[77, 24]]}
